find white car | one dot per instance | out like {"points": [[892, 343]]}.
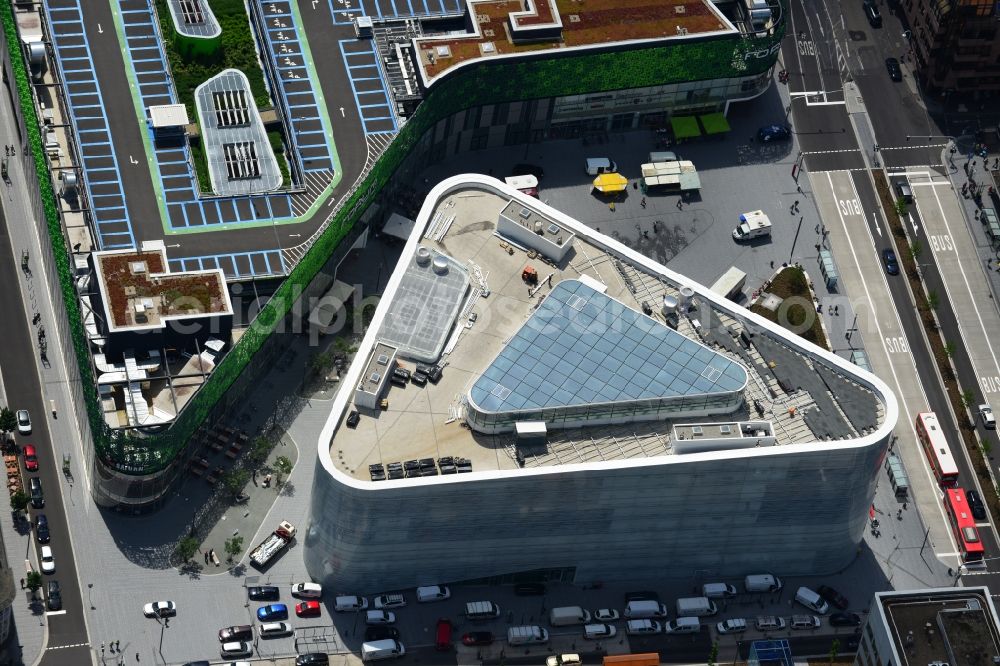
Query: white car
{"points": [[563, 660], [734, 626], [48, 561], [375, 617], [307, 590], [160, 609], [384, 601], [236, 649], [986, 414], [23, 422], [600, 631], [606, 615]]}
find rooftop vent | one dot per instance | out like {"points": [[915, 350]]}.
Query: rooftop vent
{"points": [[376, 377], [725, 429], [525, 214], [442, 52], [383, 359], [137, 267], [696, 431]]}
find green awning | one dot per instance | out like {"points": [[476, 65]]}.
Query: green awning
{"points": [[714, 123], [685, 127]]}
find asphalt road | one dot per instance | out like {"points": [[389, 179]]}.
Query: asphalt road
{"points": [[895, 112], [67, 633]]}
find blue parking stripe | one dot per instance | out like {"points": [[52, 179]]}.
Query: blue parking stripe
{"points": [[58, 36]]}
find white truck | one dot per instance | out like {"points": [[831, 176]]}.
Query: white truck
{"points": [[730, 284], [273, 545], [754, 224]]}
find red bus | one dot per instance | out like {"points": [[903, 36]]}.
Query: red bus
{"points": [[936, 448], [963, 525]]}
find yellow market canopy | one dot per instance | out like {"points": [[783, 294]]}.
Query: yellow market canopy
{"points": [[610, 182]]}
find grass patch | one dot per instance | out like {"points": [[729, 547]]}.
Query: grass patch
{"points": [[797, 313], [278, 146]]}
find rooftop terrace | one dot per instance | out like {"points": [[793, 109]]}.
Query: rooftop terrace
{"points": [[789, 395], [140, 292], [503, 27], [956, 627]]}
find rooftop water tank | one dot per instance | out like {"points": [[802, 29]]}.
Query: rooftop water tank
{"points": [[440, 265], [423, 256], [687, 295], [669, 305]]}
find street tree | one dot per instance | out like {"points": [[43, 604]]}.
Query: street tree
{"points": [[234, 547], [33, 581], [19, 501], [235, 480], [283, 466], [8, 422], [186, 548]]}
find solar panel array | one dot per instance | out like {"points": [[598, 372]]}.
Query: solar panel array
{"points": [[192, 12], [231, 108], [241, 160]]}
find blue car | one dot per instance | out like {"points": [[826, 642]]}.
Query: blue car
{"points": [[773, 133], [272, 612]]}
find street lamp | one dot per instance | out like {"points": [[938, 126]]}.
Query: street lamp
{"points": [[90, 586]]}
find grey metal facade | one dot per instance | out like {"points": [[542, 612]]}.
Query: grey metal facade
{"points": [[790, 510]]}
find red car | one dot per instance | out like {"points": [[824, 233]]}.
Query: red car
{"points": [[442, 634], [307, 609], [30, 458]]}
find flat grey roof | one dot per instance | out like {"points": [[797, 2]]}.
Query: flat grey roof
{"points": [[582, 347], [240, 159], [194, 18], [425, 308]]}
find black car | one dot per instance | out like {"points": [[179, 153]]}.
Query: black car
{"points": [[37, 496], [54, 596], [889, 259], [478, 638], [873, 15], [835, 598], [641, 595], [312, 659], [528, 170], [263, 593], [381, 633], [895, 73], [42, 528], [976, 504], [353, 419], [529, 589], [845, 620]]}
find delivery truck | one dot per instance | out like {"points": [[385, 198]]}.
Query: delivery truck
{"points": [[730, 284], [754, 224], [273, 545]]}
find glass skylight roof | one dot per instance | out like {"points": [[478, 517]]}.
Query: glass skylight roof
{"points": [[581, 347]]}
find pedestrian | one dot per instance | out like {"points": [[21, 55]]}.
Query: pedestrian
{"points": [[22, 583], [836, 310], [137, 656], [255, 477], [680, 205], [118, 645], [772, 264], [102, 648], [796, 204], [643, 202]]}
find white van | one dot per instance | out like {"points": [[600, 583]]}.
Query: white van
{"points": [[762, 583], [646, 608], [662, 156], [682, 625], [695, 607], [812, 601], [597, 632], [527, 635], [274, 629], [718, 590], [379, 650], [598, 165], [350, 603], [642, 627], [432, 593], [481, 610], [568, 615]]}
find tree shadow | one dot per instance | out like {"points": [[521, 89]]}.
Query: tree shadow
{"points": [[287, 489]]}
